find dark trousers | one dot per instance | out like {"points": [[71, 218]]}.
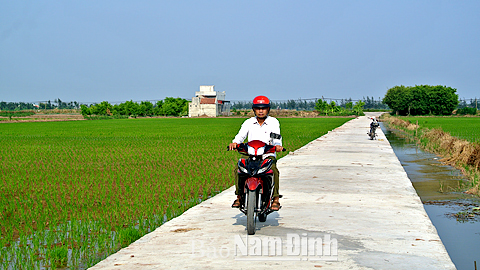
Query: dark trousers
{"points": [[276, 178]]}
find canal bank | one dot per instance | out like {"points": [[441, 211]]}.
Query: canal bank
{"points": [[439, 188], [348, 204]]}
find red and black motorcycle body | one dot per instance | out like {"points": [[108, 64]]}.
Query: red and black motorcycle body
{"points": [[256, 179]]}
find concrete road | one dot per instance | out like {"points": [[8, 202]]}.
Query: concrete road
{"points": [[348, 204]]}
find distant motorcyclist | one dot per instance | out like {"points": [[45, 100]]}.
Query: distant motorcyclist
{"points": [[373, 126], [259, 128]]}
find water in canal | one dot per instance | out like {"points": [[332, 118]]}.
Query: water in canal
{"points": [[447, 206]]}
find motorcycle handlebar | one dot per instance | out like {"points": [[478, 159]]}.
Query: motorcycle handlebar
{"points": [[228, 149]]}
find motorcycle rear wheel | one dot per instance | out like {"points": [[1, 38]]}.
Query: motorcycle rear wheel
{"points": [[251, 203]]}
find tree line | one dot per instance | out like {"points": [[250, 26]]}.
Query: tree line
{"points": [[309, 105], [168, 107], [421, 100], [332, 109], [47, 105], [301, 105], [472, 103], [402, 100]]}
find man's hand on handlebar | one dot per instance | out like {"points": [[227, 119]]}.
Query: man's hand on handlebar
{"points": [[232, 146], [278, 148]]}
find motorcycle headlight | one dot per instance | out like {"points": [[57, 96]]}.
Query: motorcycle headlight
{"points": [[251, 151]]}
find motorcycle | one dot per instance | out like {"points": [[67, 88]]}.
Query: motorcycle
{"points": [[257, 196], [373, 126]]}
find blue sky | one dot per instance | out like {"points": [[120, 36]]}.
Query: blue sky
{"points": [[91, 51]]}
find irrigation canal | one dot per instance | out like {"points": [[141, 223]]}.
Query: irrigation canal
{"points": [[447, 206], [348, 204]]}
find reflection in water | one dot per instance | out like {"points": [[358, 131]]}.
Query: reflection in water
{"points": [[434, 181]]}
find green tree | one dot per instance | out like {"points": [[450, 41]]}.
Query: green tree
{"points": [[442, 100], [158, 108], [417, 104], [169, 108], [184, 110], [321, 106], [146, 108], [104, 108], [85, 110], [117, 109], [291, 104], [131, 108], [332, 107], [349, 105], [358, 107], [172, 107], [421, 100], [397, 98]]}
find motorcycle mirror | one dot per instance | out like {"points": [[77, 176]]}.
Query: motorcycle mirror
{"points": [[275, 136]]}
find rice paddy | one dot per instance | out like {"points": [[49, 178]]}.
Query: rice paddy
{"points": [[467, 128], [71, 193]]}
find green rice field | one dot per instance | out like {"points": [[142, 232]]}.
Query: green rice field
{"points": [[467, 128], [71, 193]]}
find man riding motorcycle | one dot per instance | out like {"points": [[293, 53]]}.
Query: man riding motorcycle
{"points": [[373, 126], [259, 128]]}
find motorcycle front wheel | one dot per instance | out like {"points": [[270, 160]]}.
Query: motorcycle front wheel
{"points": [[251, 203]]}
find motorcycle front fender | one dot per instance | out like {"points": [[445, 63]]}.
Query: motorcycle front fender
{"points": [[253, 183]]}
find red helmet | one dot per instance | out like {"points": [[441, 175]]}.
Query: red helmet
{"points": [[261, 102]]}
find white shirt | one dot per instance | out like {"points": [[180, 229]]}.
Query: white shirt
{"points": [[252, 129]]}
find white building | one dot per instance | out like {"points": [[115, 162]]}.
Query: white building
{"points": [[208, 102]]}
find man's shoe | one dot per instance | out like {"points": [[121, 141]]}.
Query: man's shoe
{"points": [[276, 204], [236, 203]]}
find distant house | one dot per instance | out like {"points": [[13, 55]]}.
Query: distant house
{"points": [[208, 102]]}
